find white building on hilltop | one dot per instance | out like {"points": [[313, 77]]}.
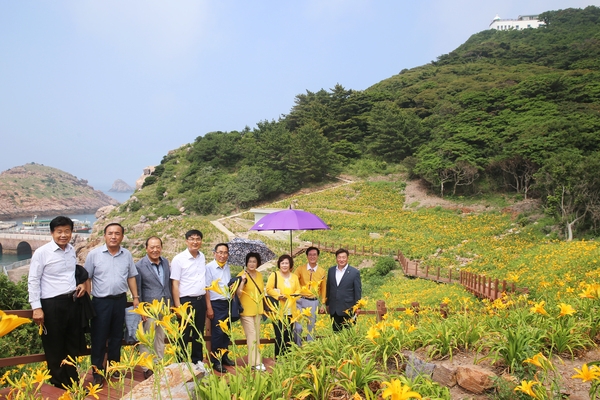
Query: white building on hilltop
{"points": [[522, 22]]}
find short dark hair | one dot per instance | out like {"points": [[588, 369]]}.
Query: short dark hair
{"points": [[255, 255], [193, 232], [311, 248], [284, 257], [60, 221], [221, 244], [154, 237], [340, 251], [114, 224]]}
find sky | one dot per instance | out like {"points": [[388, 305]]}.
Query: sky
{"points": [[102, 89]]}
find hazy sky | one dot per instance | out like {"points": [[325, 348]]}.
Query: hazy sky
{"points": [[101, 89]]}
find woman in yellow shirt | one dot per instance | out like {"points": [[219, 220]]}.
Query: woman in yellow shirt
{"points": [[284, 286], [250, 292]]}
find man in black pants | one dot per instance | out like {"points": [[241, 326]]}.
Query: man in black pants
{"points": [[52, 294]]}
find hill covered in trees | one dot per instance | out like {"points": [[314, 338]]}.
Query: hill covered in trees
{"points": [[510, 111]]}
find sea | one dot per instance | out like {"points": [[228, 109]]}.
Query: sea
{"points": [[6, 259]]}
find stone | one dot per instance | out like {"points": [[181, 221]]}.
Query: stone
{"points": [[415, 367], [102, 212], [120, 186], [475, 379], [444, 375], [174, 382]]}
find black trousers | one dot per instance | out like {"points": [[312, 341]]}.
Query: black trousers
{"points": [[219, 339], [283, 336], [341, 322], [61, 338], [107, 326], [191, 335]]}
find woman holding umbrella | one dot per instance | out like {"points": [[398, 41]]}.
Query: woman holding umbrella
{"points": [[250, 292], [284, 286]]}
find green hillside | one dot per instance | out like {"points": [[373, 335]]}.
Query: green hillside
{"points": [[514, 112]]}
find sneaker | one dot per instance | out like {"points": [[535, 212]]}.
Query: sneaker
{"points": [[148, 373], [98, 381], [259, 367]]}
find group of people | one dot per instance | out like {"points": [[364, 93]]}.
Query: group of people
{"points": [[59, 294]]}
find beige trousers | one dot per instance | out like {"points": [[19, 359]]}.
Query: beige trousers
{"points": [[159, 340], [251, 327]]}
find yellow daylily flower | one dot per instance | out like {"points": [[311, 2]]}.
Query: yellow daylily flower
{"points": [[224, 325], [9, 322], [396, 324], [373, 333], [141, 309], [587, 374], [539, 308], [527, 387], [41, 375], [146, 360], [566, 309], [538, 360], [93, 389], [396, 391], [66, 396], [412, 328], [306, 312], [182, 310], [215, 287]]}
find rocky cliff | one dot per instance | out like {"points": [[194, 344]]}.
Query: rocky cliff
{"points": [[120, 186], [35, 189]]}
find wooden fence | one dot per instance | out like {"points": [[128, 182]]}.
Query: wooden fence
{"points": [[479, 285], [380, 310]]}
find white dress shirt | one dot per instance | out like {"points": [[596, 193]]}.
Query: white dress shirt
{"points": [[339, 274], [190, 271], [51, 273]]}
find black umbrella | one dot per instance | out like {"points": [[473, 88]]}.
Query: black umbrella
{"points": [[239, 248]]}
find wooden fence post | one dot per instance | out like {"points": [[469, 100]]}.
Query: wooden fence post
{"points": [[438, 273], [381, 310]]}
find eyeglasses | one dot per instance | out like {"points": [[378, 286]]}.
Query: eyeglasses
{"points": [[222, 253], [194, 239]]}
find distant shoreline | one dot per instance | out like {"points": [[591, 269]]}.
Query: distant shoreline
{"points": [[47, 213]]}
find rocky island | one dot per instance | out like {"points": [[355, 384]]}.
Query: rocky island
{"points": [[120, 186], [34, 189]]}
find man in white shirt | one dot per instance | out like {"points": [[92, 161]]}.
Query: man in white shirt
{"points": [[188, 275], [52, 294]]}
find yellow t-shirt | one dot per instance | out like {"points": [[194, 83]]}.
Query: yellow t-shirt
{"points": [[252, 298]]}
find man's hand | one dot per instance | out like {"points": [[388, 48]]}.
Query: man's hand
{"points": [[321, 310], [210, 313], [80, 289], [38, 316], [136, 302]]}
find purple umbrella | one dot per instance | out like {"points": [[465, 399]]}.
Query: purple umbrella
{"points": [[289, 220]]}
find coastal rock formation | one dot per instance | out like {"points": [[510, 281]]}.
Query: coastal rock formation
{"points": [[35, 189], [120, 186], [147, 172]]}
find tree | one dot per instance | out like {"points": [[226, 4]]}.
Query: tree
{"points": [[394, 133], [311, 157]]}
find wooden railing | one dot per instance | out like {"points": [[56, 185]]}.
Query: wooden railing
{"points": [[479, 285], [380, 310]]}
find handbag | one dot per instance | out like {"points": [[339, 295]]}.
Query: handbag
{"points": [[270, 303]]}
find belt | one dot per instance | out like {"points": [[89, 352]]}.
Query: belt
{"points": [[309, 298], [113, 296], [190, 298], [65, 296]]}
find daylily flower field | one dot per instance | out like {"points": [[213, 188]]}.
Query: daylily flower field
{"points": [[521, 335]]}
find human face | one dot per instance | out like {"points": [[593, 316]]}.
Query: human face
{"points": [[312, 257], [194, 243], [252, 264], [113, 236], [284, 266], [62, 235], [221, 254], [154, 249], [342, 260]]}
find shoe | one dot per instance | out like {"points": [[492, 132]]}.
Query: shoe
{"points": [[116, 375], [148, 373], [259, 367], [98, 381], [228, 362], [219, 368]]}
